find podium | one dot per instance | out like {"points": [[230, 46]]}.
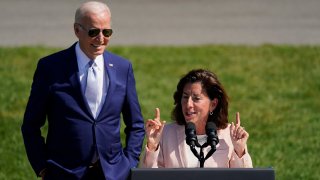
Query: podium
{"points": [[202, 174]]}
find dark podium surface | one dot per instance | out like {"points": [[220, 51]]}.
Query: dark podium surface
{"points": [[202, 173]]}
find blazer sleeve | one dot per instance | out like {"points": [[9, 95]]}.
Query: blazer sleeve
{"points": [[133, 120], [34, 119], [156, 159], [240, 162], [150, 158]]}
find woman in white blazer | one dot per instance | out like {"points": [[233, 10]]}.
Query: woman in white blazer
{"points": [[199, 98]]}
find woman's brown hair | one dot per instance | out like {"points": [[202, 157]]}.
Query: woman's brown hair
{"points": [[212, 86]]}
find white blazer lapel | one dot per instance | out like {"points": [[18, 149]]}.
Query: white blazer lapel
{"points": [[182, 145]]}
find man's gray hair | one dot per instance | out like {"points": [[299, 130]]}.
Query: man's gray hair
{"points": [[90, 7]]}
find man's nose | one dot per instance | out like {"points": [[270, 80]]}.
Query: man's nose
{"points": [[100, 37]]}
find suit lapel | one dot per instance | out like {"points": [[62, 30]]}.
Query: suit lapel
{"points": [[74, 71], [110, 72], [74, 80]]}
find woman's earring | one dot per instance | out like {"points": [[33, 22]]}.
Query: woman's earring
{"points": [[211, 113]]}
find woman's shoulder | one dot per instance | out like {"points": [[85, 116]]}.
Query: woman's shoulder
{"points": [[172, 133], [225, 131], [173, 126]]}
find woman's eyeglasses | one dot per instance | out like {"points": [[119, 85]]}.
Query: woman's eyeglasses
{"points": [[94, 31]]}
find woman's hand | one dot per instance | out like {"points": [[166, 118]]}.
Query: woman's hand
{"points": [[154, 129], [239, 136]]}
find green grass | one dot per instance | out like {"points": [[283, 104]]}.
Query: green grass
{"points": [[275, 88]]}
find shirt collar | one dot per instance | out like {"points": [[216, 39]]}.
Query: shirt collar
{"points": [[83, 59]]}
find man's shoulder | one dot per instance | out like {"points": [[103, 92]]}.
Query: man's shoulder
{"points": [[61, 53], [58, 58], [115, 58]]}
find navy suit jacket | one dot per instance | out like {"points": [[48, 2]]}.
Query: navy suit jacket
{"points": [[73, 133]]}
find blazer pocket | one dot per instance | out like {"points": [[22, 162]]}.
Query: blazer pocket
{"points": [[61, 87], [59, 171], [114, 153]]}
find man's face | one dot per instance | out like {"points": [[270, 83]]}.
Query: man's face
{"points": [[93, 46]]}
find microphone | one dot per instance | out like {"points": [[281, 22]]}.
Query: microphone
{"points": [[191, 137], [212, 139], [211, 131]]}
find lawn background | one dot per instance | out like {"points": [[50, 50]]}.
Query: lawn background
{"points": [[276, 89]]}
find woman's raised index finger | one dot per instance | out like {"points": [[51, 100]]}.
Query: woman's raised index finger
{"points": [[157, 114], [238, 119]]}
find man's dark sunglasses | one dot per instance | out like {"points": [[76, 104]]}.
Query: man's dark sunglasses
{"points": [[94, 31]]}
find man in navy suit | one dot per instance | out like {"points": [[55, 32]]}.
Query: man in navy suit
{"points": [[83, 137]]}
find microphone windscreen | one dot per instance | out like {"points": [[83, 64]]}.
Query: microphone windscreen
{"points": [[211, 126], [190, 131], [211, 131], [190, 127]]}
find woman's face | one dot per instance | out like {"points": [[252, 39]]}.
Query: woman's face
{"points": [[196, 104]]}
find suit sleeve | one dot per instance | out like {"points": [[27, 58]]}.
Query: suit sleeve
{"points": [[34, 119], [133, 120]]}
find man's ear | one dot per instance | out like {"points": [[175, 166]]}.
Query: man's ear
{"points": [[76, 30]]}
